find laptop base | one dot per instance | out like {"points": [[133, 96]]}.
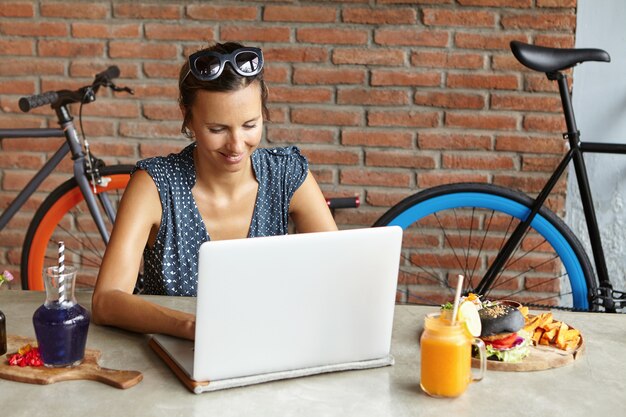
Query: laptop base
{"points": [[198, 387]]}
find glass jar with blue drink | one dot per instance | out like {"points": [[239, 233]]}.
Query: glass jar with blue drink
{"points": [[61, 324]]}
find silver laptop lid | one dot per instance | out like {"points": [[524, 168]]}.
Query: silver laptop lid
{"points": [[290, 302]]}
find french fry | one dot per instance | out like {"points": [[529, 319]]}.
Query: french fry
{"points": [[545, 330]]}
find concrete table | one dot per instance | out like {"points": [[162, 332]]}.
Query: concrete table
{"points": [[595, 384]]}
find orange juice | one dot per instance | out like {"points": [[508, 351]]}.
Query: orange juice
{"points": [[446, 357]]}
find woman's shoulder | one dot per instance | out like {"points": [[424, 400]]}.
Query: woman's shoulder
{"points": [[286, 155]]}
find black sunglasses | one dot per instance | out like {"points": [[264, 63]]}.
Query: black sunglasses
{"points": [[208, 65]]}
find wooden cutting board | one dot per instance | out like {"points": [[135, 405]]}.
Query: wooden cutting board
{"points": [[88, 369]]}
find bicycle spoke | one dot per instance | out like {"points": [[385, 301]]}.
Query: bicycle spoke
{"points": [[449, 243], [482, 244]]}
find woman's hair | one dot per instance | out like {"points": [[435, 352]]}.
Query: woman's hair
{"points": [[229, 80]]}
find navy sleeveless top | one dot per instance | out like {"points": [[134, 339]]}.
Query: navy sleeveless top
{"points": [[171, 265]]}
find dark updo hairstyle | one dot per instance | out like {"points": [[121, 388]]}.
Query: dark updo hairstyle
{"points": [[229, 80]]}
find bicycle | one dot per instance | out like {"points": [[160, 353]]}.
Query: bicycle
{"points": [[507, 244], [70, 212]]}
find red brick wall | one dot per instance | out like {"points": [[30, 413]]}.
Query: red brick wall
{"points": [[385, 97]]}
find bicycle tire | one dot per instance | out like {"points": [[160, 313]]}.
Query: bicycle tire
{"points": [[64, 216], [438, 244]]}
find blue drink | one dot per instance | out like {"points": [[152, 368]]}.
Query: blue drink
{"points": [[61, 333], [61, 324]]}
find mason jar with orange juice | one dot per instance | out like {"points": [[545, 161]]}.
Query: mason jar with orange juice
{"points": [[446, 357]]}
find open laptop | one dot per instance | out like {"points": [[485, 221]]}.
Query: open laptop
{"points": [[285, 306]]}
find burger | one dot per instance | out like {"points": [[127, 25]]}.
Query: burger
{"points": [[502, 333]]}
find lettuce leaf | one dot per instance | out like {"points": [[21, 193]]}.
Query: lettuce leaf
{"points": [[514, 355]]}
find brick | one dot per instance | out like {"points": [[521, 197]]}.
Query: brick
{"points": [[74, 10], [387, 57], [332, 36], [295, 54], [539, 82], [221, 13], [161, 111], [278, 114], [318, 14], [161, 90], [105, 31], [22, 122], [459, 18], [150, 129], [431, 59], [521, 4], [59, 48], [556, 3], [386, 199], [399, 159], [411, 37], [89, 68], [162, 69], [255, 33], [21, 160], [435, 140], [485, 81], [397, 16], [138, 50], [17, 180], [159, 148], [507, 63], [331, 156], [477, 162], [353, 176], [112, 148], [383, 77], [147, 11], [539, 164], [449, 100], [323, 176], [369, 137], [290, 134], [544, 123], [300, 95], [372, 96], [357, 218], [542, 21], [42, 29], [492, 41], [530, 144], [432, 179], [484, 121], [407, 118], [320, 116], [17, 87], [16, 47], [555, 40], [525, 182], [533, 102], [188, 32], [17, 9], [333, 76], [113, 108], [275, 73]]}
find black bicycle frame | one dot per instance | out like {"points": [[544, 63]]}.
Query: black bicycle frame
{"points": [[72, 144], [575, 154]]}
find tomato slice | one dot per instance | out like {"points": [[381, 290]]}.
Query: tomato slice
{"points": [[503, 343]]}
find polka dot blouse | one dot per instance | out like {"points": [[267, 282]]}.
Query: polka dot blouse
{"points": [[171, 265]]}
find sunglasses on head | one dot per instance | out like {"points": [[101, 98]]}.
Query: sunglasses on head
{"points": [[208, 65]]}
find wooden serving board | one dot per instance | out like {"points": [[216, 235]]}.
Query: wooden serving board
{"points": [[88, 369], [540, 358]]}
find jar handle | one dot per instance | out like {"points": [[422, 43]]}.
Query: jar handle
{"points": [[482, 356]]}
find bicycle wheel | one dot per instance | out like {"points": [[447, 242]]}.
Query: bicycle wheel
{"points": [[459, 228], [64, 216]]}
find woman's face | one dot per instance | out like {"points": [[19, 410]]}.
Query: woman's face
{"points": [[227, 126]]}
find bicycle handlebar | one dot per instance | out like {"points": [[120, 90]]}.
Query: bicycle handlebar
{"points": [[63, 97]]}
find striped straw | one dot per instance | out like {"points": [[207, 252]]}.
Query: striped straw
{"points": [[61, 272]]}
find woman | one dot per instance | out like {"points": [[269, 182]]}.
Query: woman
{"points": [[219, 187]]}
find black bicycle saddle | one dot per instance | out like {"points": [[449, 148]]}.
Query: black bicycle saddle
{"points": [[541, 58]]}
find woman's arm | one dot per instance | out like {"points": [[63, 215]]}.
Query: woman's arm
{"points": [[113, 303], [309, 210]]}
